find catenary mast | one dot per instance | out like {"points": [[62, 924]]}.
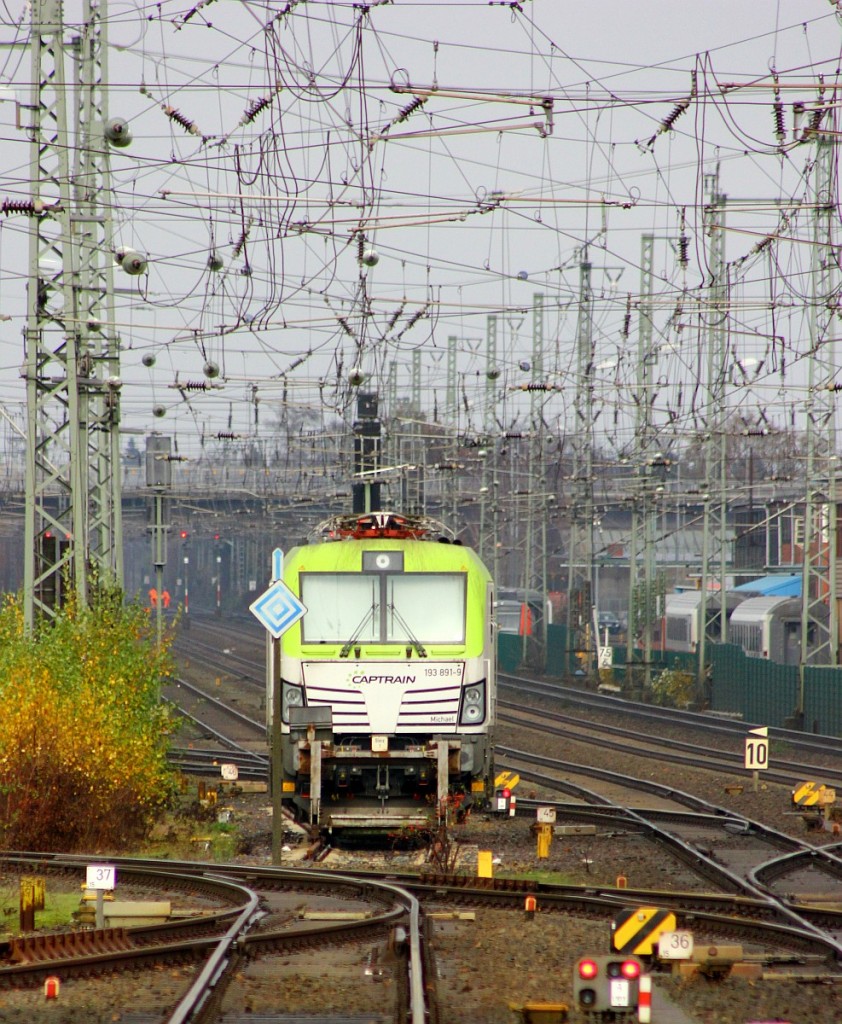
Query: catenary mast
{"points": [[819, 625], [72, 515]]}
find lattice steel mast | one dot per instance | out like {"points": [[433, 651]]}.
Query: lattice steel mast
{"points": [[642, 584], [713, 628], [819, 624], [72, 459], [580, 550], [93, 234]]}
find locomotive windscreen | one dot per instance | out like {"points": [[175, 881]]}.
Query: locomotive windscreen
{"points": [[384, 608]]}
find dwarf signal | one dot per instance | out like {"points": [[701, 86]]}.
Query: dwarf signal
{"points": [[605, 983]]}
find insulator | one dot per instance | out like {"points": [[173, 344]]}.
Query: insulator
{"points": [[673, 115], [513, 436], [346, 327], [24, 206], [256, 108], [409, 109], [241, 241], [627, 323], [393, 319], [360, 247], [180, 119], [195, 10], [815, 123], [226, 435], [683, 250], [194, 385], [411, 322], [778, 117]]}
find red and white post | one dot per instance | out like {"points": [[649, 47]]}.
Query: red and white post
{"points": [[644, 999]]}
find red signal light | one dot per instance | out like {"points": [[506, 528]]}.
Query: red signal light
{"points": [[216, 536], [588, 969], [505, 793], [630, 969], [184, 535]]}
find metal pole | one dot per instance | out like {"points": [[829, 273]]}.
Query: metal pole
{"points": [[580, 580], [819, 610], [714, 551]]}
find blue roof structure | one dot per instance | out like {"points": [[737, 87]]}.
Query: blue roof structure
{"points": [[773, 586]]}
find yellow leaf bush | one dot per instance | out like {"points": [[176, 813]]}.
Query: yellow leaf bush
{"points": [[83, 745]]}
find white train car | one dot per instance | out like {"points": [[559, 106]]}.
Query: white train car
{"points": [[680, 627], [770, 628]]}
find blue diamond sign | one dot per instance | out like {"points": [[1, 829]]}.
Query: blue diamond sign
{"points": [[278, 608]]}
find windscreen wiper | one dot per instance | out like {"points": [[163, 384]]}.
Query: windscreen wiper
{"points": [[346, 647], [420, 650]]}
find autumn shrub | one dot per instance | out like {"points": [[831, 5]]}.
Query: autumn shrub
{"points": [[82, 732], [674, 688]]}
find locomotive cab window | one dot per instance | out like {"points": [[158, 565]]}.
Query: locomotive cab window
{"points": [[384, 608]]}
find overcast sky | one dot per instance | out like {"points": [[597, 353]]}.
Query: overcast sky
{"points": [[293, 150]]}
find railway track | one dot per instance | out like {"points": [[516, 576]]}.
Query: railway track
{"points": [[222, 943], [714, 726], [219, 962], [633, 742], [745, 881], [746, 867]]}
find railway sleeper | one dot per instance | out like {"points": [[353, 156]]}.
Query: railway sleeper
{"points": [[28, 949]]}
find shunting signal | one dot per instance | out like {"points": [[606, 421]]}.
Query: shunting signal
{"points": [[505, 802], [606, 983]]}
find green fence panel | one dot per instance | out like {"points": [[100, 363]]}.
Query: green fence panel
{"points": [[558, 657], [509, 651], [659, 661], [761, 691], [771, 692], [728, 678], [683, 661], [823, 700]]}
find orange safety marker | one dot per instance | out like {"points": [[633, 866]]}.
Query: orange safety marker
{"points": [[51, 987], [530, 905], [644, 999]]}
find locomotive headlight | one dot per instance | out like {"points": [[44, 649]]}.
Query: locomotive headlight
{"points": [[291, 697], [472, 711]]}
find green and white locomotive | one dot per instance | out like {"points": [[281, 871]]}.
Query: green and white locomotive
{"points": [[386, 685]]}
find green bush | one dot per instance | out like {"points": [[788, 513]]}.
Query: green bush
{"points": [[83, 735]]}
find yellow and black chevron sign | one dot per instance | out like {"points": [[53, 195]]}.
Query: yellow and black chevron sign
{"points": [[506, 780], [637, 929], [806, 794]]}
